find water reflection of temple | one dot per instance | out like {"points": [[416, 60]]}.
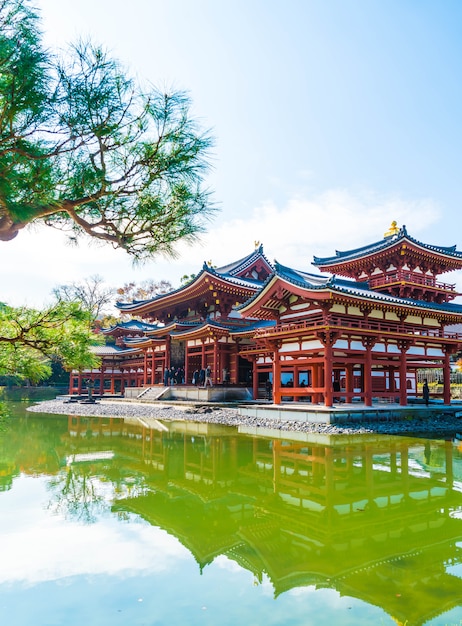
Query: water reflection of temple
{"points": [[376, 518]]}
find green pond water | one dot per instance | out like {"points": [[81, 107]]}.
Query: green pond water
{"points": [[108, 522]]}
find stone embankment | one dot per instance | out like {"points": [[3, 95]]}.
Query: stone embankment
{"points": [[433, 426]]}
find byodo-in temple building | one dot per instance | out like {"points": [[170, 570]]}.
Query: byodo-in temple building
{"points": [[357, 330]]}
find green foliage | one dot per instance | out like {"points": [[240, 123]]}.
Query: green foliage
{"points": [[4, 415], [84, 149], [187, 278], [31, 339]]}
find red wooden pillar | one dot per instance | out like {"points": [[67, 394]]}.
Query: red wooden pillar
{"points": [[203, 363], [446, 378], [164, 363], [167, 351], [403, 374], [79, 383], [328, 369], [234, 363], [254, 378], [296, 383], [145, 366], [368, 376], [276, 376], [187, 380], [349, 382], [315, 382], [361, 380], [215, 361], [368, 343], [328, 339], [112, 379], [221, 360], [391, 378]]}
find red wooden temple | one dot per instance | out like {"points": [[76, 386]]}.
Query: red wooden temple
{"points": [[356, 332]]}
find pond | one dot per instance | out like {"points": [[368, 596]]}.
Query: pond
{"points": [[105, 521]]}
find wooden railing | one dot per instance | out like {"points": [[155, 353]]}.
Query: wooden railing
{"points": [[348, 323], [409, 277]]}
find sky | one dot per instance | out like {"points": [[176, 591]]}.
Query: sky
{"points": [[331, 118]]}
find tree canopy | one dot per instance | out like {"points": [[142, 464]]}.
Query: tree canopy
{"points": [[85, 149], [91, 293], [31, 339]]}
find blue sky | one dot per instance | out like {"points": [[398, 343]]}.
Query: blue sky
{"points": [[331, 119]]}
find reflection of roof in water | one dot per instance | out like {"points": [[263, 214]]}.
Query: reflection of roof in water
{"points": [[194, 523]]}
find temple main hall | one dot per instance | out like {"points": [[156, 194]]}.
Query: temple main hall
{"points": [[356, 329]]}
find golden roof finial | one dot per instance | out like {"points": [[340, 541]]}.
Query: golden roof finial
{"points": [[256, 244], [393, 230]]}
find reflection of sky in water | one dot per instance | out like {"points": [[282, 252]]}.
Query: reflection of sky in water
{"points": [[121, 573], [40, 547]]}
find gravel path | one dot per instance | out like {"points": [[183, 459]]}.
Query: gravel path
{"points": [[230, 417]]}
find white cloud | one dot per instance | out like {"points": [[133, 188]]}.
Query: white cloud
{"points": [[337, 219], [38, 546], [50, 555], [37, 260]]}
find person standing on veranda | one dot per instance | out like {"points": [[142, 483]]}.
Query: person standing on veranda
{"points": [[208, 377], [426, 392]]}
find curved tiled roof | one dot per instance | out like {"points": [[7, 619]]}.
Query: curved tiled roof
{"points": [[222, 273], [348, 287], [166, 328], [242, 264], [315, 281], [137, 340], [240, 326], [383, 244], [356, 288], [112, 350], [253, 283], [254, 325], [131, 325]]}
